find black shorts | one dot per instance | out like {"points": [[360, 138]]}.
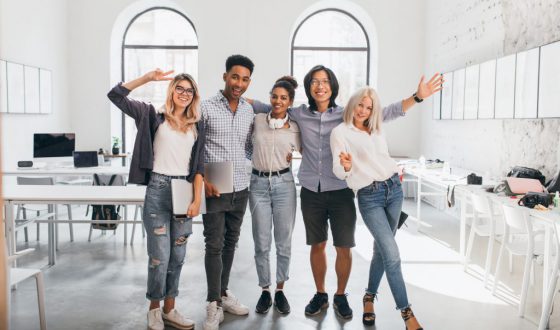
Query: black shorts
{"points": [[336, 207]]}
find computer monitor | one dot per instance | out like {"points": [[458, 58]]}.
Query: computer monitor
{"points": [[53, 147]]}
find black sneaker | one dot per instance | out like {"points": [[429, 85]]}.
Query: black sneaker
{"points": [[264, 303], [341, 307], [320, 300], [281, 303]]}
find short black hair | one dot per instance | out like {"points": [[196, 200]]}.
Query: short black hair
{"points": [[333, 82], [289, 83], [244, 61]]}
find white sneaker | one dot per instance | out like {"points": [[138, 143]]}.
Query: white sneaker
{"points": [[221, 313], [177, 320], [155, 321], [231, 305], [212, 321]]}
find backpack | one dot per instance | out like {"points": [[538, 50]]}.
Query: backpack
{"points": [[527, 172], [104, 212], [554, 184]]}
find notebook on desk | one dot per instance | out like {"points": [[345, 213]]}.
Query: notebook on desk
{"points": [[182, 195]]}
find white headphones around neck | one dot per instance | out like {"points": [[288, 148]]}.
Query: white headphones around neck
{"points": [[275, 123]]}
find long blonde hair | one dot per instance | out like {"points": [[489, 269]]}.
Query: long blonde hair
{"points": [[373, 123], [191, 115]]}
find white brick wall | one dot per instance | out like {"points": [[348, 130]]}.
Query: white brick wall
{"points": [[460, 33]]}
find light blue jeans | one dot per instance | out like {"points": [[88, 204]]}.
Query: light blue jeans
{"points": [[380, 204], [166, 237], [273, 203]]}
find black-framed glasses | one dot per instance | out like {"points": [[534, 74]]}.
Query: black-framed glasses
{"points": [[317, 82], [181, 90]]}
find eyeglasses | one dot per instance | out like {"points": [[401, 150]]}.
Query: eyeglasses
{"points": [[181, 90], [316, 82]]}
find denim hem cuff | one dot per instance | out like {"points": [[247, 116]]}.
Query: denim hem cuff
{"points": [[403, 308], [152, 298]]}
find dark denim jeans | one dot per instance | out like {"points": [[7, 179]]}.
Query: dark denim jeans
{"points": [[167, 239], [222, 226], [380, 204]]}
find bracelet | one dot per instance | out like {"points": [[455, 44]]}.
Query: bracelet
{"points": [[416, 98]]}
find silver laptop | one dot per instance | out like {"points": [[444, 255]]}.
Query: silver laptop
{"points": [[182, 194], [220, 175]]}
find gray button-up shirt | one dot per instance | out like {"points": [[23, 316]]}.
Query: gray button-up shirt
{"points": [[228, 135], [316, 167]]}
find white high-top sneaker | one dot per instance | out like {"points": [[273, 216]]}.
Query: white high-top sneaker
{"points": [[213, 315], [155, 322], [177, 320], [231, 305]]}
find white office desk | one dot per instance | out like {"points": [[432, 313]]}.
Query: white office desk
{"points": [[64, 194], [65, 171]]}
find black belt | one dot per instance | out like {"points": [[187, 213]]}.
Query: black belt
{"points": [[259, 173]]}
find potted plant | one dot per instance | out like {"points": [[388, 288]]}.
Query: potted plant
{"points": [[116, 145]]}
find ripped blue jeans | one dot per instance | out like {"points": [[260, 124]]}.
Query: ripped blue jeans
{"points": [[167, 239]]}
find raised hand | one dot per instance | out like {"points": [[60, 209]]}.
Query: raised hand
{"points": [[427, 89], [345, 161], [159, 75]]}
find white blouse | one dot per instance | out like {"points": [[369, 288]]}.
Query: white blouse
{"points": [[370, 156]]}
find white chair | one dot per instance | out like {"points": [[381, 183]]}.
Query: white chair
{"points": [[17, 275], [22, 209], [486, 223], [553, 281], [519, 239]]}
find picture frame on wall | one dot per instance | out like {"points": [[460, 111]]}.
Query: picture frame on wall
{"points": [[45, 90], [3, 87], [32, 101], [471, 92], [436, 106], [458, 103], [526, 84], [16, 88], [486, 89], [447, 96], [549, 77], [505, 87]]}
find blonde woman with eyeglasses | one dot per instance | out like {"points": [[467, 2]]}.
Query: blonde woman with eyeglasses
{"points": [[169, 144]]}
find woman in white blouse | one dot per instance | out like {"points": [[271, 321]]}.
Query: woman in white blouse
{"points": [[364, 162]]}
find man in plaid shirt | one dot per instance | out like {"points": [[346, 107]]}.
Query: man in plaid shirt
{"points": [[229, 124]]}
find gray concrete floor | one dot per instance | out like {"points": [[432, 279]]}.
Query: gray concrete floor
{"points": [[101, 285]]}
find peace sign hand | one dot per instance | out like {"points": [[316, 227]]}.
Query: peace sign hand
{"points": [[159, 75]]}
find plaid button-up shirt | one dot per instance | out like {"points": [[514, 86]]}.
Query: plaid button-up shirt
{"points": [[228, 135]]}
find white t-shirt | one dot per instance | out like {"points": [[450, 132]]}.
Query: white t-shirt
{"points": [[172, 150], [370, 156]]}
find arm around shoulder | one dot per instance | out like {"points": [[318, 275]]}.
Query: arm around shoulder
{"points": [[337, 147]]}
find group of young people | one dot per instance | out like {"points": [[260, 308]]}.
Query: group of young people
{"points": [[343, 152]]}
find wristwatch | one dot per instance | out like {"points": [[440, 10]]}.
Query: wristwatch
{"points": [[417, 99]]}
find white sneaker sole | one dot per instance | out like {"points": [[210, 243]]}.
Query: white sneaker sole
{"points": [[177, 325]]}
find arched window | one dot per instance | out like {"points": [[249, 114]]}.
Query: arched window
{"points": [[162, 38], [337, 40]]}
